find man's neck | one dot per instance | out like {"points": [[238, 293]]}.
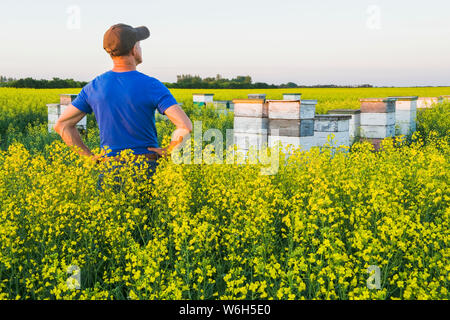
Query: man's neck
{"points": [[124, 65]]}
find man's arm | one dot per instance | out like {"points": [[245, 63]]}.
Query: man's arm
{"points": [[66, 128], [183, 128]]}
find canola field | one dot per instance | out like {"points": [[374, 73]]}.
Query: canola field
{"points": [[224, 231]]}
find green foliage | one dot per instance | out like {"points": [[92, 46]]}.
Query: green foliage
{"points": [[55, 83], [435, 121], [187, 81]]}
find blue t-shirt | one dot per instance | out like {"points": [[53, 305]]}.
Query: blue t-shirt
{"points": [[124, 105]]}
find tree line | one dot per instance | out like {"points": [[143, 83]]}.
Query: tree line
{"points": [[55, 83], [185, 81], [188, 81]]}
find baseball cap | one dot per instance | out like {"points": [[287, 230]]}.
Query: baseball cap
{"points": [[121, 38]]}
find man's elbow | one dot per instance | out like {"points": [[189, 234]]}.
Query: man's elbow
{"points": [[59, 127]]}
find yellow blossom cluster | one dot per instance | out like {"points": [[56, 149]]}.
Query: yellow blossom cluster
{"points": [[224, 231]]}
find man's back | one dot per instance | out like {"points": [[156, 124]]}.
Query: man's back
{"points": [[124, 105]]}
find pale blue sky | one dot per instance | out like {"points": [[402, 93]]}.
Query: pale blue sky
{"points": [[307, 42]]}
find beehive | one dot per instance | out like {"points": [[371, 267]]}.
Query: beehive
{"points": [[256, 108], [246, 141], [292, 96], [250, 124], [291, 127], [291, 109], [377, 118], [338, 125], [405, 115], [55, 111], [354, 122], [201, 99]]}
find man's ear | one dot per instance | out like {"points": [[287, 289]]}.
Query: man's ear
{"points": [[134, 51]]}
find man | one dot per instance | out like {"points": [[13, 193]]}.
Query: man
{"points": [[124, 103]]}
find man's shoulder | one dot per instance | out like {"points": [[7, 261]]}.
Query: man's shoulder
{"points": [[149, 78], [97, 79], [103, 76]]}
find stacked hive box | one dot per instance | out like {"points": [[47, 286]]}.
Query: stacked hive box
{"points": [[405, 115], [354, 122], [250, 124], [426, 102], [292, 96], [201, 99], [338, 125], [291, 122], [55, 111], [377, 119]]}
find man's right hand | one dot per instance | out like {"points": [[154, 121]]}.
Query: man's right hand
{"points": [[165, 152]]}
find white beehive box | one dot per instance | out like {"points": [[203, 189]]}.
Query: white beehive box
{"points": [[250, 125], [377, 132], [246, 141], [405, 115], [325, 125], [338, 125], [378, 119], [256, 108], [353, 124], [309, 108], [291, 109], [331, 123], [202, 98], [55, 111], [292, 96]]}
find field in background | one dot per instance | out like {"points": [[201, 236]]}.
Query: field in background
{"points": [[23, 112], [327, 98]]}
